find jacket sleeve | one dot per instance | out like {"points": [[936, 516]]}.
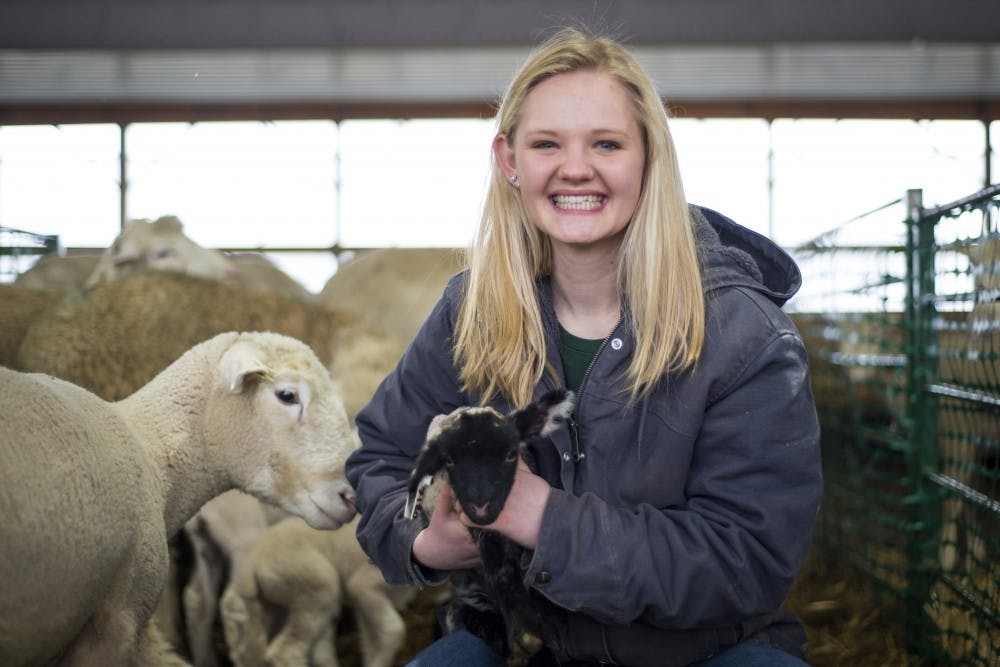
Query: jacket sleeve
{"points": [[392, 428], [732, 548]]}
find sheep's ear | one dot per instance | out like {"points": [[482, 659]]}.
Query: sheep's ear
{"points": [[545, 415], [240, 362]]}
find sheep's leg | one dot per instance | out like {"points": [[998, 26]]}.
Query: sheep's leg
{"points": [[156, 651], [325, 651], [109, 639], [380, 626], [501, 563], [473, 608], [244, 626], [312, 609], [201, 595]]}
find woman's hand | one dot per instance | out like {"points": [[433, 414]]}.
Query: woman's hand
{"points": [[445, 544], [521, 517]]}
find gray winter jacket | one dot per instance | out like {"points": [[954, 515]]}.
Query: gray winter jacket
{"points": [[675, 527]]}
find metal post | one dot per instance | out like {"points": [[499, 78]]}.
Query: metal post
{"points": [[122, 178], [921, 416]]}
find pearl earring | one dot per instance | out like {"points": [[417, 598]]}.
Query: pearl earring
{"points": [[513, 179]]}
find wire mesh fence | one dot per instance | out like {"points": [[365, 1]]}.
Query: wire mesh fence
{"points": [[900, 311], [19, 249]]}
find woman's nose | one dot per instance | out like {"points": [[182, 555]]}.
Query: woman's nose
{"points": [[576, 166]]}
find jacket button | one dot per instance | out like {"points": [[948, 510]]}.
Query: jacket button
{"points": [[544, 577]]}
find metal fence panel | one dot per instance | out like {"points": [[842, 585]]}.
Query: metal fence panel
{"points": [[901, 317]]}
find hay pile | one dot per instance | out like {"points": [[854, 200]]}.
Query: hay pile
{"points": [[847, 624]]}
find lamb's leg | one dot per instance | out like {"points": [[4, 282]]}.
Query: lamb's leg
{"points": [[380, 626], [325, 651], [156, 651], [312, 609], [244, 625], [501, 564], [201, 595]]}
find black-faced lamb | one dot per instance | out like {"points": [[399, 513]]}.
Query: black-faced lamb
{"points": [[285, 597], [91, 490], [476, 450]]}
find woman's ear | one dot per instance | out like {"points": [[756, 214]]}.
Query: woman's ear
{"points": [[504, 154]]}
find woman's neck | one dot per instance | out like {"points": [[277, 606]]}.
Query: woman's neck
{"points": [[585, 293]]}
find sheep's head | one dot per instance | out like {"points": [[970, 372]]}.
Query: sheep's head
{"points": [[477, 449], [285, 431], [160, 245]]}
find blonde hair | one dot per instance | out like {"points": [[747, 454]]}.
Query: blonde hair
{"points": [[500, 340]]}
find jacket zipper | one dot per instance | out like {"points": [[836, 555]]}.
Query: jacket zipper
{"points": [[578, 454]]}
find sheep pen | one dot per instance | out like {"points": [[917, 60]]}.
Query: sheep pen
{"points": [[108, 482]]}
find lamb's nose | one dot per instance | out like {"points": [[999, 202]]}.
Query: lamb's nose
{"points": [[480, 510]]}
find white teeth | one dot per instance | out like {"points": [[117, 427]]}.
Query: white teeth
{"points": [[578, 202]]}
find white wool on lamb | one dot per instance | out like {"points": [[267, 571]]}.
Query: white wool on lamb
{"points": [[90, 490]]}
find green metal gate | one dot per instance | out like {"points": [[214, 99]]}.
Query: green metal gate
{"points": [[900, 311]]}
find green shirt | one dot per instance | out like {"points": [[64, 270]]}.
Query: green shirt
{"points": [[576, 354]]}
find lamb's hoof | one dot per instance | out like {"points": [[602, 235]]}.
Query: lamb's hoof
{"points": [[529, 643], [523, 649]]}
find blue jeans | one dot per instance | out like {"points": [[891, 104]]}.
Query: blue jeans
{"points": [[458, 649], [463, 649]]}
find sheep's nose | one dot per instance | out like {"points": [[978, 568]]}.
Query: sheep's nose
{"points": [[480, 510]]}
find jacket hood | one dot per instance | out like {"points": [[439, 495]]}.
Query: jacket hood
{"points": [[734, 256]]}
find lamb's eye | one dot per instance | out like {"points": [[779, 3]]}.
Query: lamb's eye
{"points": [[511, 456], [163, 253], [449, 462], [287, 396]]}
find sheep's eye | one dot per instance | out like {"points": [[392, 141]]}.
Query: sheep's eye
{"points": [[287, 396], [164, 252], [449, 462], [511, 456]]}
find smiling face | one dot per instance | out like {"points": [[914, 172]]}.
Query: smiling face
{"points": [[578, 154]]}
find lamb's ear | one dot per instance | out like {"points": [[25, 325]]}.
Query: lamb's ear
{"points": [[545, 415], [240, 362], [428, 463]]}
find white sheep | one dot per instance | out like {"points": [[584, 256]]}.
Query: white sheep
{"points": [[309, 574], [19, 307], [394, 288], [61, 273], [159, 245], [114, 337], [475, 451], [91, 490]]}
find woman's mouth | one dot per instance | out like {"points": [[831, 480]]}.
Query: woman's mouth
{"points": [[578, 202]]}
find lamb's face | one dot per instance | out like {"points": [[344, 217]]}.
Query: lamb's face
{"points": [[477, 450], [480, 450], [296, 436]]}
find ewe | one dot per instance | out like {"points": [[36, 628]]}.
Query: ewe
{"points": [[475, 450], [394, 288], [90, 491], [308, 575]]}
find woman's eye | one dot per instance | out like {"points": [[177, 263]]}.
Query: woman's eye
{"points": [[608, 145], [543, 144], [287, 396]]}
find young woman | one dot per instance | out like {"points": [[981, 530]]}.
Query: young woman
{"points": [[670, 516]]}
